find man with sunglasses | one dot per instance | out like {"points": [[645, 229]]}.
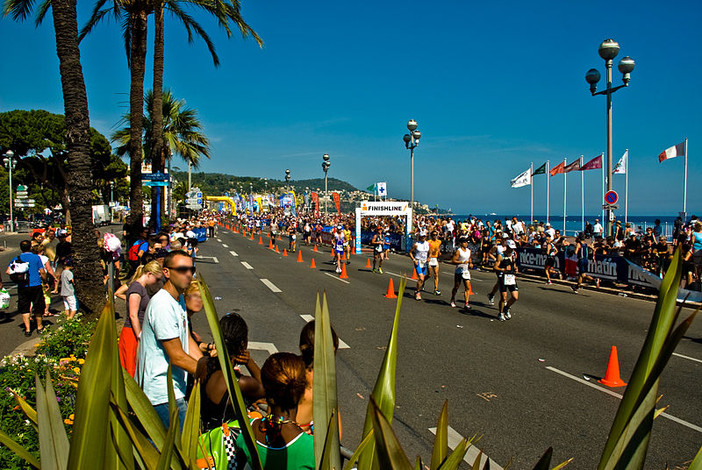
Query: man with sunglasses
{"points": [[165, 339]]}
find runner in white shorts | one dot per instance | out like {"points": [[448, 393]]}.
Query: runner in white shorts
{"points": [[434, 253], [462, 260], [419, 254]]}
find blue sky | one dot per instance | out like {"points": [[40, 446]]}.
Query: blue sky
{"points": [[493, 85]]}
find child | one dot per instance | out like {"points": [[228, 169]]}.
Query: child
{"points": [[68, 290]]}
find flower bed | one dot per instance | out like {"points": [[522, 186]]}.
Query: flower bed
{"points": [[61, 351]]}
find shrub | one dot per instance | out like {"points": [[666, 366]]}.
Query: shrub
{"points": [[70, 337]]}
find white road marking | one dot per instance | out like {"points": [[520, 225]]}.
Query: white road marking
{"points": [[268, 347], [246, 265], [454, 439], [219, 240], [233, 253], [687, 357], [225, 245], [408, 276], [270, 285], [213, 258], [309, 318], [337, 278], [617, 395]]}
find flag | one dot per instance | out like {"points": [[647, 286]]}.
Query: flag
{"points": [[557, 169], [575, 166], [594, 164], [620, 168], [372, 187], [337, 201], [540, 170], [672, 152], [382, 189], [524, 179]]}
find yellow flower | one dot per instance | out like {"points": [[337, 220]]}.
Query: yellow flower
{"points": [[76, 370], [67, 421], [71, 417], [81, 361]]}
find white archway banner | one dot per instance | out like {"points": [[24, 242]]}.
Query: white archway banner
{"points": [[382, 208]]}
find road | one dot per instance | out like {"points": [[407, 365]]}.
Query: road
{"points": [[520, 384]]}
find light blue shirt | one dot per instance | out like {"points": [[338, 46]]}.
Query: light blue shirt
{"points": [[165, 319]]}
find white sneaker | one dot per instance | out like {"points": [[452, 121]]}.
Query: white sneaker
{"points": [[491, 299], [507, 314], [501, 317]]}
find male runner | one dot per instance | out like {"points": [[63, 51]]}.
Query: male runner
{"points": [[506, 270], [550, 251], [419, 253], [377, 243], [462, 260], [495, 252], [434, 253]]}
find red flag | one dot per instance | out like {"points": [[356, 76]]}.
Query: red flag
{"points": [[337, 202], [315, 201], [575, 166], [557, 169], [594, 164]]}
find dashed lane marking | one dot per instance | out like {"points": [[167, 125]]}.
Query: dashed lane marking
{"points": [[268, 347], [687, 357], [246, 265], [454, 438], [337, 278], [219, 240], [225, 245], [270, 285], [234, 253], [617, 395], [342, 344], [213, 258]]}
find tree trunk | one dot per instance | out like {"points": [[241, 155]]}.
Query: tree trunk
{"points": [[87, 270], [136, 117], [157, 154]]}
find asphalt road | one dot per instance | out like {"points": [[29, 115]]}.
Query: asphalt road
{"points": [[504, 381]]}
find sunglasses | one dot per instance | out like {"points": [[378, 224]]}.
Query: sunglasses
{"points": [[182, 269]]}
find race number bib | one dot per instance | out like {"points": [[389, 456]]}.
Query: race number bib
{"points": [[510, 280], [379, 248]]}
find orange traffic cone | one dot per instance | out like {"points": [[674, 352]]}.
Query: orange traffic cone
{"points": [[285, 252], [312, 265], [276, 249], [368, 263], [391, 291], [251, 235], [315, 248], [299, 257], [414, 274], [260, 240], [343, 256], [279, 237], [270, 244], [612, 378], [343, 274]]}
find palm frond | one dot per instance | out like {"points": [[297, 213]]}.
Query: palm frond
{"points": [[191, 25], [41, 12], [19, 10]]}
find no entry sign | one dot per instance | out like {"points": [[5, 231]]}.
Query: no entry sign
{"points": [[611, 197]]}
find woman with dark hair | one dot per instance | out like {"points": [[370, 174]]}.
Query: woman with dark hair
{"points": [[280, 441], [215, 407]]}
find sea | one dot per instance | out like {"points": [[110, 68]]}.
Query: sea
{"points": [[574, 225]]}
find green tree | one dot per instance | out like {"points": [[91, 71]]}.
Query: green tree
{"points": [[79, 178]]}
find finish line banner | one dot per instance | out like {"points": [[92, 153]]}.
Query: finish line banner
{"points": [[383, 208]]}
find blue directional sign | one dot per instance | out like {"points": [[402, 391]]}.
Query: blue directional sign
{"points": [[155, 176]]}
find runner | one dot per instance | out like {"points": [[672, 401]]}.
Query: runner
{"points": [[434, 253], [338, 248], [308, 233], [377, 243], [584, 253], [347, 243], [386, 244], [506, 269], [419, 253], [551, 251], [292, 247], [495, 252], [462, 260]]}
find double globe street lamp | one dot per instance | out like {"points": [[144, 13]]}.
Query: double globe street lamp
{"points": [[411, 141], [325, 167], [608, 51], [10, 163]]}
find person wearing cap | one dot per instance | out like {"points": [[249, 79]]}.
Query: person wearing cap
{"points": [[419, 254], [462, 260], [494, 253], [433, 264], [338, 247], [506, 269], [64, 249], [550, 251]]}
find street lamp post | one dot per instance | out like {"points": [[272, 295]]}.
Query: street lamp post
{"points": [[411, 141], [10, 163], [287, 178], [608, 51], [325, 167]]}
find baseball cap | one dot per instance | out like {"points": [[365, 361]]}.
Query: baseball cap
{"points": [[61, 232], [511, 244]]}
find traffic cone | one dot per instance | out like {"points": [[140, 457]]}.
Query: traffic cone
{"points": [[612, 378], [260, 240], [368, 263], [251, 235], [299, 257], [391, 291], [285, 252], [276, 249], [343, 274], [279, 237], [343, 256], [414, 274], [315, 248], [312, 265], [270, 244]]}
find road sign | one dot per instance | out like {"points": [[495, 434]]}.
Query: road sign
{"points": [[611, 197], [22, 204], [21, 194], [21, 187], [155, 183], [612, 207], [155, 177]]}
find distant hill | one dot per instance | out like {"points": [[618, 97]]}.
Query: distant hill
{"points": [[216, 184]]}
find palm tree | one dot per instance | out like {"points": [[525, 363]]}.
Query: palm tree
{"points": [[182, 132], [79, 179]]}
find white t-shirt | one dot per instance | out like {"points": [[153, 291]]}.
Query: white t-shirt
{"points": [[598, 228], [421, 251], [165, 319]]}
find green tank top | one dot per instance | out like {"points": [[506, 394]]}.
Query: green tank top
{"points": [[297, 455]]}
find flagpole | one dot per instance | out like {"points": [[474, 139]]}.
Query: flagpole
{"points": [[626, 189], [582, 192], [565, 187], [531, 183], [548, 187], [684, 185]]}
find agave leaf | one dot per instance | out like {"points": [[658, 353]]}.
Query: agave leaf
{"points": [[368, 440], [172, 407], [148, 454], [454, 460], [545, 460], [487, 464], [235, 396], [191, 426], [389, 450], [329, 450], [476, 463], [164, 460], [19, 451], [562, 464], [324, 387], [384, 389], [441, 448], [661, 323], [418, 463], [144, 411], [697, 461], [53, 441], [118, 447], [93, 397], [26, 407]]}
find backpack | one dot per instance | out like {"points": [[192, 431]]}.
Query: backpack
{"points": [[19, 271], [133, 254]]}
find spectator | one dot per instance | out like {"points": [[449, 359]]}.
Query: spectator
{"points": [[165, 339], [64, 249], [68, 289], [30, 297]]}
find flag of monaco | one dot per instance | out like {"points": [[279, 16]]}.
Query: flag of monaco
{"points": [[672, 152]]}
